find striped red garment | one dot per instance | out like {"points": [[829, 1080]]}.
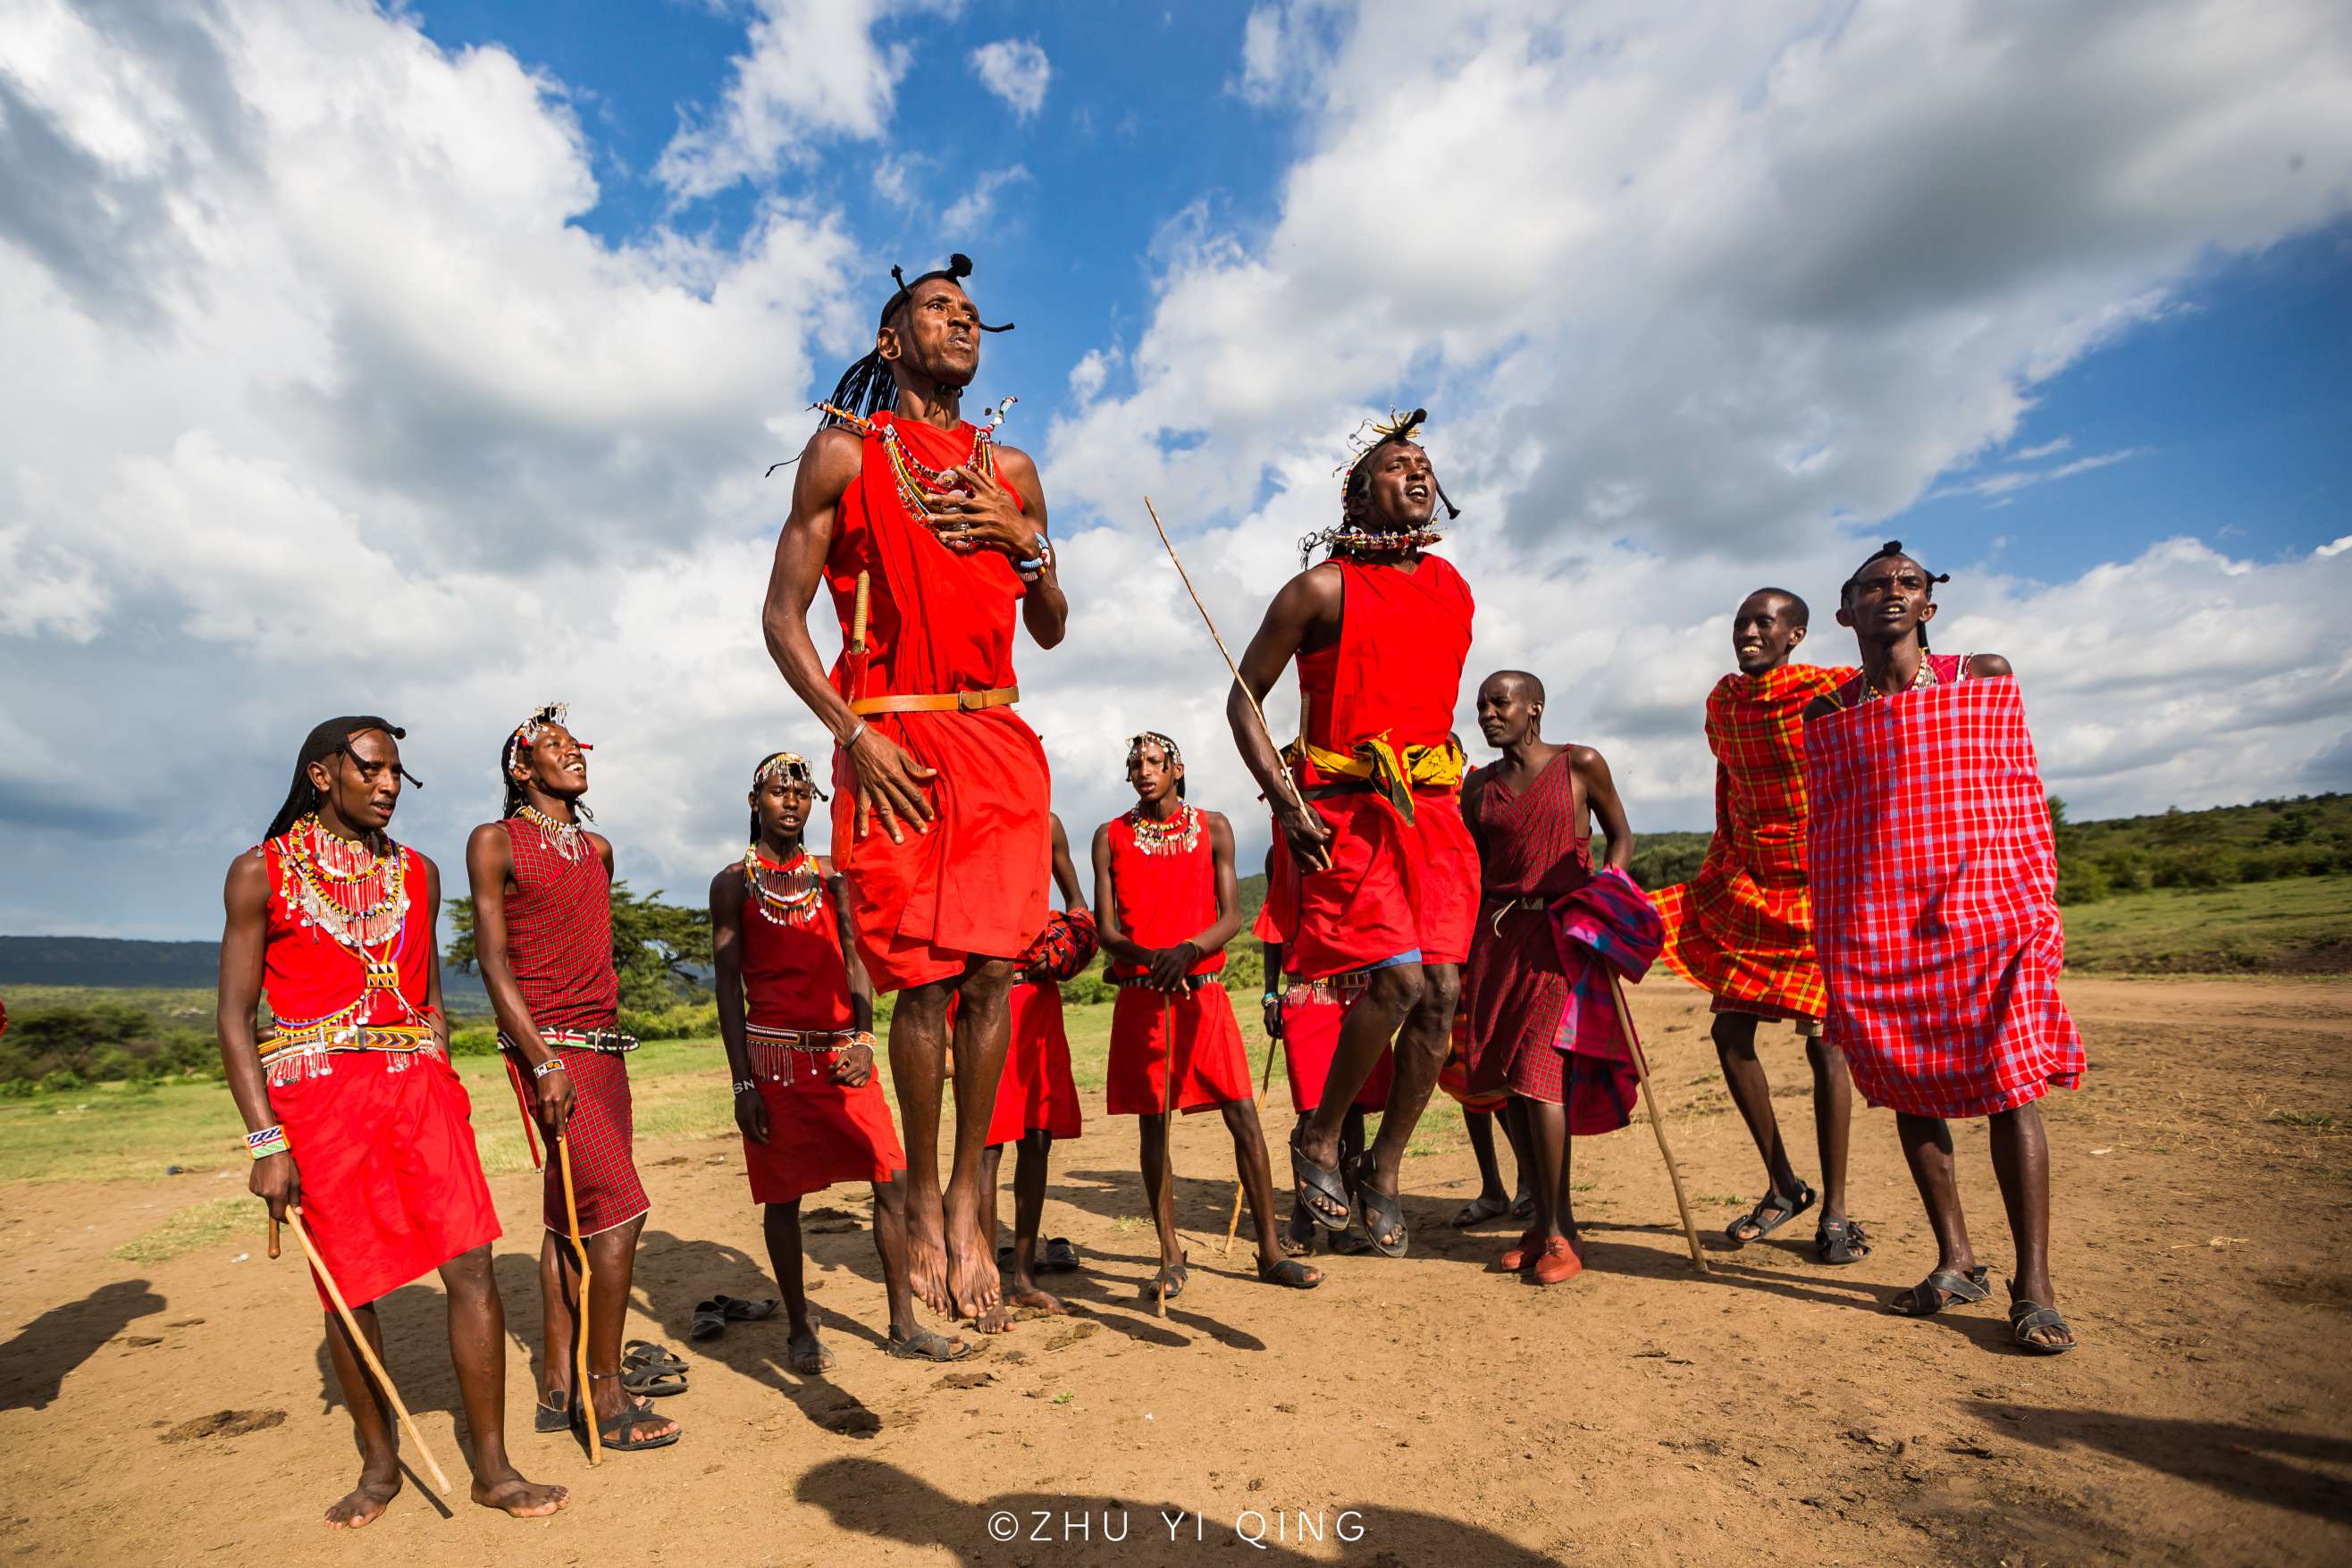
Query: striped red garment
{"points": [[1934, 880]]}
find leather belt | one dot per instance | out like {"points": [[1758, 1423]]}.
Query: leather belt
{"points": [[1192, 982], [610, 1041], [937, 702]]}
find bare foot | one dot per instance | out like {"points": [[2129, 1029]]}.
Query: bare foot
{"points": [[524, 1500], [994, 1321], [972, 1278], [806, 1354], [927, 1254], [359, 1507], [1026, 1293]]}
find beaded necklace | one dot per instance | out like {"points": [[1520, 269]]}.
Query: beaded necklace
{"points": [[568, 839], [1180, 834], [354, 893], [1925, 678], [795, 902], [1358, 544], [918, 482]]}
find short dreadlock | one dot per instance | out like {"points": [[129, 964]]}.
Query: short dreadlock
{"points": [[1891, 551]]}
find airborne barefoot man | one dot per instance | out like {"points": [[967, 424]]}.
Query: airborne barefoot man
{"points": [[928, 535], [1380, 881], [352, 1110]]}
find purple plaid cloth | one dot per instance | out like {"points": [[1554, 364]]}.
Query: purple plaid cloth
{"points": [[1608, 923]]}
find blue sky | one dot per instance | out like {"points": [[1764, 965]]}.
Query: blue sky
{"points": [[424, 360]]}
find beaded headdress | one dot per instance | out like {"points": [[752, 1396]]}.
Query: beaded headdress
{"points": [[1363, 443], [522, 737], [787, 765], [1168, 748]]}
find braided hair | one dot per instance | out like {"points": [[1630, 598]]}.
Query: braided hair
{"points": [[332, 738], [519, 740], [868, 386], [793, 767], [1891, 551]]}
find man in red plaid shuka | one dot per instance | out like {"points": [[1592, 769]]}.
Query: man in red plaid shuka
{"points": [[1934, 881], [544, 937], [1743, 927]]}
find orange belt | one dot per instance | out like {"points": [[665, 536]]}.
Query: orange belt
{"points": [[937, 702]]}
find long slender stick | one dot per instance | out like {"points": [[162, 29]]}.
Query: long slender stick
{"points": [[1167, 1144], [1657, 1119], [367, 1352], [1289, 785], [1233, 1224], [582, 1388]]}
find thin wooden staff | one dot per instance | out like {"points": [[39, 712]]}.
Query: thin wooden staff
{"points": [[1233, 1224], [1167, 1146], [367, 1352], [580, 1386], [1657, 1118]]}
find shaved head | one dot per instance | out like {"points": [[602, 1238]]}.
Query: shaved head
{"points": [[1525, 684]]}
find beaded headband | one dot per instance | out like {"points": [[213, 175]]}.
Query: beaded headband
{"points": [[530, 729], [790, 766], [1168, 748]]}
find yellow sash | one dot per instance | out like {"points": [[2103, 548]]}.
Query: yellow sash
{"points": [[1394, 774]]}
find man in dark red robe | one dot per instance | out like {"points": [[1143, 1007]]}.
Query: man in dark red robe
{"points": [[1378, 877], [928, 535]]}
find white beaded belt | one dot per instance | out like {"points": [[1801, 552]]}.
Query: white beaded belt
{"points": [[771, 1051], [612, 1041]]}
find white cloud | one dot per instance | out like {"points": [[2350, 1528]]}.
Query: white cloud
{"points": [[971, 212], [2010, 481], [1016, 70], [2047, 449]]}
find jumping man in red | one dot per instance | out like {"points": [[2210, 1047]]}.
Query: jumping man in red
{"points": [[542, 887], [1379, 877], [1036, 1097], [804, 1061], [929, 534], [1169, 904], [352, 1110]]}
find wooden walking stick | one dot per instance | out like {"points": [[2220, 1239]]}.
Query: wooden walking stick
{"points": [[1657, 1119], [1168, 1146], [1265, 1080], [582, 1387], [367, 1351]]}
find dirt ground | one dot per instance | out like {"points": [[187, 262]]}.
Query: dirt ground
{"points": [[1410, 1412]]}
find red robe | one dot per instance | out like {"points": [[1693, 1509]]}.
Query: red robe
{"points": [[1396, 889], [392, 1184], [1163, 898], [1036, 1091], [819, 1131], [974, 886]]}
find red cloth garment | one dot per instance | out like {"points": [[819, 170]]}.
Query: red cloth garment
{"points": [[1395, 889], [1063, 950], [1163, 883], [1212, 1063], [560, 932], [1934, 879], [974, 884], [392, 1184], [1743, 927], [1454, 1076], [795, 978], [1312, 1014], [1035, 1091], [601, 1136]]}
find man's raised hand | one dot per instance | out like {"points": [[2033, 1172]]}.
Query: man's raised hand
{"points": [[984, 516], [891, 783]]}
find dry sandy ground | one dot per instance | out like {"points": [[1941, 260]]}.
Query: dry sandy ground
{"points": [[1425, 1411]]}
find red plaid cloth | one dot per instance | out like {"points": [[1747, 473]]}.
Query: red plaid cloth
{"points": [[1743, 927], [1934, 881], [1063, 950], [560, 932], [600, 1137]]}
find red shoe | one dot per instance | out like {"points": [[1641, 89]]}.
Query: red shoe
{"points": [[1559, 1262], [1521, 1254]]}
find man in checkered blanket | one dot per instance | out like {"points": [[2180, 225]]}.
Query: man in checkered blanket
{"points": [[1743, 927], [1935, 918]]}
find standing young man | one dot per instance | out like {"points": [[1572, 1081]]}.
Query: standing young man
{"points": [[1378, 876], [353, 1113], [928, 535], [1037, 1097], [803, 1060], [1168, 904], [1743, 927], [542, 890], [1935, 891], [1531, 813]]}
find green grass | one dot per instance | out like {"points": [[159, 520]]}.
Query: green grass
{"points": [[179, 1004], [2302, 925], [198, 1224]]}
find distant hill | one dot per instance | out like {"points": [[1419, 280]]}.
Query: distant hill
{"points": [[113, 962]]}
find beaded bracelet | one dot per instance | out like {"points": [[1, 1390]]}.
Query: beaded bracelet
{"points": [[276, 1144], [266, 1134], [552, 1065], [861, 1037], [745, 1086]]}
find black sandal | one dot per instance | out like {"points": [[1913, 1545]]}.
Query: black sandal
{"points": [[1944, 1287], [1177, 1276], [1841, 1241], [608, 1433], [648, 1380], [1781, 1209], [1318, 1181], [2025, 1316], [1383, 1215], [1289, 1272], [926, 1344], [555, 1417], [1057, 1257]]}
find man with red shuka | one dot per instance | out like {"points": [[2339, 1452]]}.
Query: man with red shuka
{"points": [[542, 891], [1037, 1098], [1743, 927], [802, 1060], [1934, 876], [1168, 902], [1378, 877], [929, 534], [352, 1110]]}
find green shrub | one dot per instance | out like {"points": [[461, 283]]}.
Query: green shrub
{"points": [[2194, 869], [16, 1088], [60, 1081], [2082, 882], [473, 1040], [680, 1020]]}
